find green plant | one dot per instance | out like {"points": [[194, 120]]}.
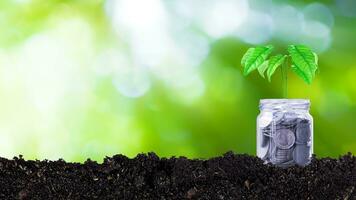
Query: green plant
{"points": [[300, 58]]}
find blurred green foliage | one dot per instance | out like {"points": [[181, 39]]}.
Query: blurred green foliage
{"points": [[63, 95]]}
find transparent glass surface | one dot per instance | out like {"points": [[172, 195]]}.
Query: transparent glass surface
{"points": [[285, 132]]}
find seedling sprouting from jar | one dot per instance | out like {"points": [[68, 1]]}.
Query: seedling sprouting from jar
{"points": [[284, 126]]}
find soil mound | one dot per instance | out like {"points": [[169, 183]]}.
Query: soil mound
{"points": [[147, 176]]}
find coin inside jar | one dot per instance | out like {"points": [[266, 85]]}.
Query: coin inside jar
{"points": [[284, 138]]}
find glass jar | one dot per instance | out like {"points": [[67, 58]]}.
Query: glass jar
{"points": [[285, 132]]}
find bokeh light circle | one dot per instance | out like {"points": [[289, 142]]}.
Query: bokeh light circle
{"points": [[288, 23], [319, 12], [257, 29], [221, 18], [317, 35]]}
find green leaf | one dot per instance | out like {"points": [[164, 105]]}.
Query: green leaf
{"points": [[304, 62], [274, 63], [246, 56], [254, 57], [262, 68], [316, 62], [301, 74], [316, 58]]}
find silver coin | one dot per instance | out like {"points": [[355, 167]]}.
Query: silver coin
{"points": [[282, 156], [287, 164], [289, 118], [301, 154], [284, 138], [303, 132]]}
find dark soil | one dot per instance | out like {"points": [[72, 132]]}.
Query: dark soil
{"points": [[149, 177]]}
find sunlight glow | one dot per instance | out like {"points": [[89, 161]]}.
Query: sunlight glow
{"points": [[222, 18], [258, 29]]}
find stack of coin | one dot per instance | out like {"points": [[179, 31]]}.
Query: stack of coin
{"points": [[288, 139], [282, 156], [302, 151]]}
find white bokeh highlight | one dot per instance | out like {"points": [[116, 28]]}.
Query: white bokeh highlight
{"points": [[319, 12], [258, 29], [288, 22], [223, 18], [317, 35]]}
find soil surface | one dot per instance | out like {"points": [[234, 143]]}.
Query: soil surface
{"points": [[147, 176]]}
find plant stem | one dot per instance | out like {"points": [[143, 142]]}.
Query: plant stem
{"points": [[284, 69]]}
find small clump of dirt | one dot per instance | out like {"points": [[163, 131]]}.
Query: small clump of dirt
{"points": [[147, 176]]}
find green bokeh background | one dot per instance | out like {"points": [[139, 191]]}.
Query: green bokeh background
{"points": [[77, 79]]}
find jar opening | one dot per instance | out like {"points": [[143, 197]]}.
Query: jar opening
{"points": [[280, 104]]}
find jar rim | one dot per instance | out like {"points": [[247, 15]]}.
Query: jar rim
{"points": [[280, 103], [292, 101]]}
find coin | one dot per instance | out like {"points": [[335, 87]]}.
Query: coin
{"points": [[289, 118], [287, 164], [284, 138], [303, 132], [282, 156], [301, 154]]}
